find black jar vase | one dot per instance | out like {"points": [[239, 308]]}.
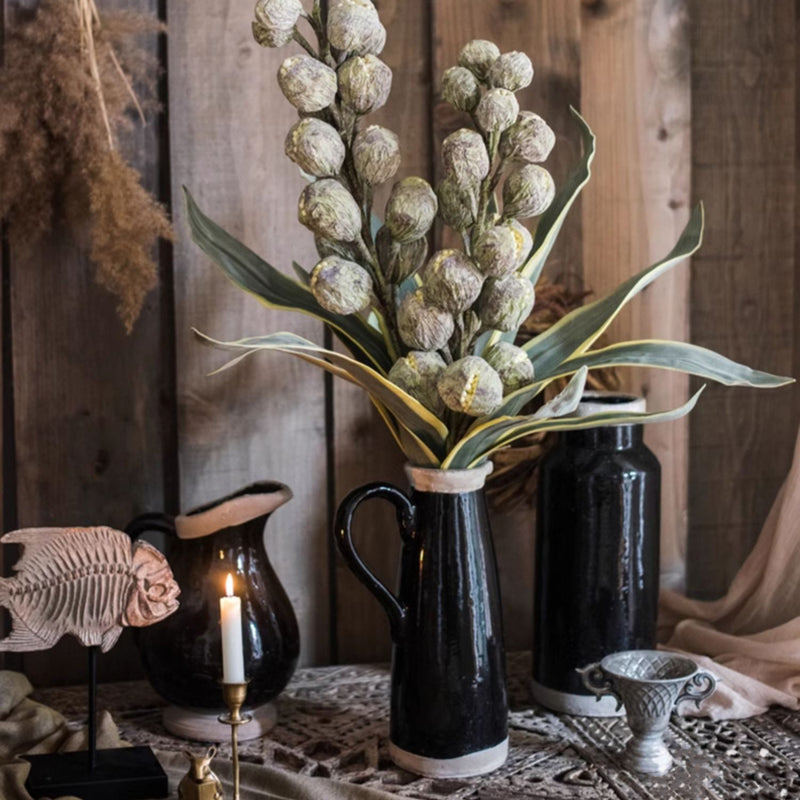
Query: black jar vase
{"points": [[182, 657], [449, 706], [597, 555]]}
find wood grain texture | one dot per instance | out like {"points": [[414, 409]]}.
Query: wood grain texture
{"points": [[549, 32], [744, 284], [265, 419], [364, 449], [635, 93], [87, 399]]}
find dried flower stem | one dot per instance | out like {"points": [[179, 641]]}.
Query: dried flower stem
{"points": [[487, 185], [87, 15], [305, 44]]}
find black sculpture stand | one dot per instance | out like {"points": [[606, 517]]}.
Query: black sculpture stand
{"points": [[122, 773]]}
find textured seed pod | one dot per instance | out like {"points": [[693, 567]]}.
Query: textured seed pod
{"points": [[522, 240], [512, 365], [460, 88], [421, 325], [327, 247], [399, 261], [458, 205], [271, 37], [512, 71], [497, 111], [528, 191], [478, 56], [327, 209], [465, 157], [307, 84], [410, 210], [315, 147], [450, 280], [376, 154], [495, 250], [364, 83], [471, 386], [505, 303], [529, 139], [418, 374], [354, 27], [275, 21], [341, 286]]}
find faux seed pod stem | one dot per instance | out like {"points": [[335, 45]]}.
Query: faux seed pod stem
{"points": [[432, 342]]}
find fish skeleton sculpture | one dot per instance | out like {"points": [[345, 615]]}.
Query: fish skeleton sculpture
{"points": [[88, 582]]}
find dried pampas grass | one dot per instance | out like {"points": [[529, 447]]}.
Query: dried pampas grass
{"points": [[65, 98]]}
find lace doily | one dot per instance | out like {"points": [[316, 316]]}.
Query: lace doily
{"points": [[334, 721]]}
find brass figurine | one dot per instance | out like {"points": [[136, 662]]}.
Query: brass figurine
{"points": [[200, 783]]}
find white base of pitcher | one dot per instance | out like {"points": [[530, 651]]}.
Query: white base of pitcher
{"points": [[467, 766], [581, 705], [202, 725]]}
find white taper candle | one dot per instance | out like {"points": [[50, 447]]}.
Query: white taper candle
{"points": [[230, 609]]}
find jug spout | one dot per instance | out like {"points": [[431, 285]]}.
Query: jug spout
{"points": [[251, 502]]}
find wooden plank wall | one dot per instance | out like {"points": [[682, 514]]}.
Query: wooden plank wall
{"points": [[744, 281], [690, 99]]}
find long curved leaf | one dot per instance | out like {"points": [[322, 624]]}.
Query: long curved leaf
{"points": [[551, 221], [487, 430], [251, 273], [677, 356], [417, 452], [514, 429], [575, 332], [409, 413]]}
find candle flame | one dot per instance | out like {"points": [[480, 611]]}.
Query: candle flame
{"points": [[229, 585]]}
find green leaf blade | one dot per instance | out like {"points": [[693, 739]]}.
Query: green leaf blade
{"points": [[677, 356], [411, 414], [576, 332], [251, 273]]}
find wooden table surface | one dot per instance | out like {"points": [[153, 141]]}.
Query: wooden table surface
{"points": [[333, 722]]}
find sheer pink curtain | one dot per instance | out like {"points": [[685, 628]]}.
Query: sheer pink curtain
{"points": [[750, 638]]}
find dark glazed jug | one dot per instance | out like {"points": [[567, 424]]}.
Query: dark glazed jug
{"points": [[597, 548], [183, 656], [448, 700]]}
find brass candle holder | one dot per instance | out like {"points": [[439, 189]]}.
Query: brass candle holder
{"points": [[234, 695]]}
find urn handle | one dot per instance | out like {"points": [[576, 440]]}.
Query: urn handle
{"points": [[700, 686], [342, 532], [596, 680], [152, 521]]}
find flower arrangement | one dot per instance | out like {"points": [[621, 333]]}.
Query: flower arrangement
{"points": [[431, 335]]}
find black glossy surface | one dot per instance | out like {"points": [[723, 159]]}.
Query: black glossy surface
{"points": [[182, 656], [448, 694], [597, 552], [123, 773]]}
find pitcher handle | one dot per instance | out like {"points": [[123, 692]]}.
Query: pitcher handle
{"points": [[152, 521], [700, 686], [342, 533], [594, 678]]}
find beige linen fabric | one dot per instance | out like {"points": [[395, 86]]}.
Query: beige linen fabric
{"points": [[29, 727], [268, 783], [750, 638]]}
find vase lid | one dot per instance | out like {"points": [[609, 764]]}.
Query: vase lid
{"points": [[255, 500]]}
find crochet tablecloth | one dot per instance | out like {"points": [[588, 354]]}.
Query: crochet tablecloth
{"points": [[333, 722]]}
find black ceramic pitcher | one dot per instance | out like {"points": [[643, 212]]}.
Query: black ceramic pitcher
{"points": [[448, 699], [596, 582], [182, 657]]}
